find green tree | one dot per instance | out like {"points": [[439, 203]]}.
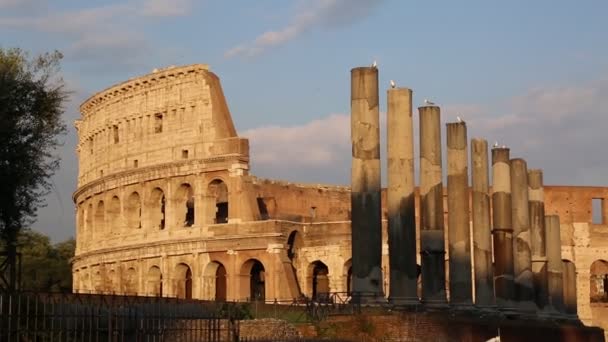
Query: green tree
{"points": [[31, 104]]}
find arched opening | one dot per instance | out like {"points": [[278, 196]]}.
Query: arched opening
{"points": [[88, 222], [215, 281], [130, 282], [154, 282], [133, 211], [219, 190], [80, 221], [254, 280], [100, 218], [112, 282], [294, 243], [348, 276], [184, 210], [569, 279], [598, 287], [183, 281], [157, 209], [114, 215], [319, 277]]}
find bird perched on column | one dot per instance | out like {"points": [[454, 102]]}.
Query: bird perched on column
{"points": [[374, 64], [393, 85], [429, 103]]}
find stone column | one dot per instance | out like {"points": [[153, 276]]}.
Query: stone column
{"points": [[365, 185], [432, 244], [522, 261], [569, 284], [536, 207], [459, 236], [400, 198], [554, 263], [502, 231], [482, 240]]}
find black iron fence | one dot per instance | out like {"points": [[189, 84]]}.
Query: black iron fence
{"points": [[30, 316], [78, 317]]}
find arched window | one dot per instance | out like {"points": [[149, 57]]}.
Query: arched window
{"points": [[130, 282], [598, 281], [254, 280], [215, 281], [219, 190], [133, 211], [185, 206], [157, 209], [100, 221], [318, 275], [154, 283], [114, 215], [183, 281], [88, 222]]}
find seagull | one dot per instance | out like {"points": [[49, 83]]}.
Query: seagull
{"points": [[393, 85], [495, 144], [374, 65], [503, 146], [459, 118], [428, 103]]}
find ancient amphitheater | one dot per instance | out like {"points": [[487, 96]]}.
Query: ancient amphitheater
{"points": [[166, 206]]}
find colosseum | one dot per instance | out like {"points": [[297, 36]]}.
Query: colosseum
{"points": [[166, 206]]}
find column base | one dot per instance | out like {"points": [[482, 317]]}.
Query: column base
{"points": [[404, 301]]}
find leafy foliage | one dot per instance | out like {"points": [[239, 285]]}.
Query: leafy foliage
{"points": [[31, 105]]}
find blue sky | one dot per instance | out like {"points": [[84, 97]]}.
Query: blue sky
{"points": [[530, 74]]}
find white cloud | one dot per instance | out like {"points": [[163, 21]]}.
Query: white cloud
{"points": [[316, 143], [166, 8], [325, 13]]}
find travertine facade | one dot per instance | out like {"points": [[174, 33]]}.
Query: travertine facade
{"points": [[165, 205]]}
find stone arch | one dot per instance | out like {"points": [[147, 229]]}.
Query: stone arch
{"points": [[112, 282], [569, 279], [133, 211], [130, 281], [318, 279], [154, 282], [113, 213], [253, 280], [598, 281], [88, 221], [348, 276], [183, 281], [219, 190], [157, 209], [215, 278], [80, 220], [184, 206], [100, 218]]}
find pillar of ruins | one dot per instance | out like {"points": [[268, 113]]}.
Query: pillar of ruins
{"points": [[400, 196], [365, 186], [522, 254], [555, 286], [432, 244], [536, 209], [482, 244], [459, 236], [569, 284], [502, 230]]}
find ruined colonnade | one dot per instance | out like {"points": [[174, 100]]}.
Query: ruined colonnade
{"points": [[511, 262]]}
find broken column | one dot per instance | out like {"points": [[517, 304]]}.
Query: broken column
{"points": [[502, 230], [365, 185], [458, 215], [432, 245], [522, 254], [536, 207], [400, 196], [569, 284], [555, 284], [482, 244]]}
